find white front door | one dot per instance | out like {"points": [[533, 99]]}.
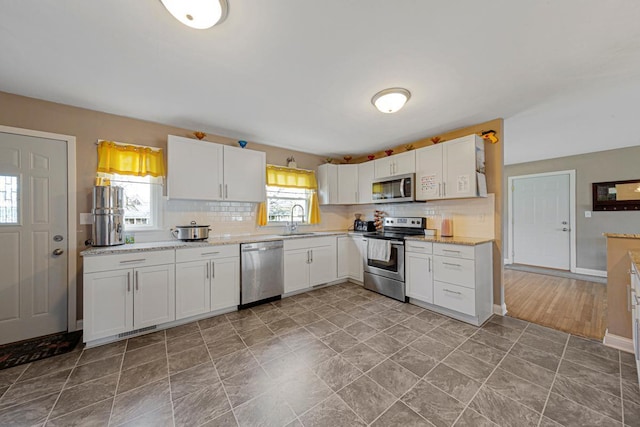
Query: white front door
{"points": [[541, 221], [33, 237]]}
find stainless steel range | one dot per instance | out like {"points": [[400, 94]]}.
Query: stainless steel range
{"points": [[384, 269]]}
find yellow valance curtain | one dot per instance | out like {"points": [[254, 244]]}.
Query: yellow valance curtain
{"points": [[129, 160], [279, 176]]}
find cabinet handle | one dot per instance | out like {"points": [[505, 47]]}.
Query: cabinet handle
{"points": [[226, 191], [429, 265], [444, 189], [439, 189], [133, 260], [129, 281], [207, 269], [308, 256], [311, 251], [390, 168], [629, 298], [452, 264], [449, 250], [220, 190], [137, 282], [452, 292], [209, 253]]}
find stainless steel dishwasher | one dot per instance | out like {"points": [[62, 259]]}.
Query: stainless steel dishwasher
{"points": [[262, 275]]}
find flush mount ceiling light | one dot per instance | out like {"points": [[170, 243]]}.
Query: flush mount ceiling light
{"points": [[199, 14], [391, 100]]}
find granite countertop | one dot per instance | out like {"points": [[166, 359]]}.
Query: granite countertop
{"points": [[212, 241], [468, 241], [635, 258], [622, 235]]}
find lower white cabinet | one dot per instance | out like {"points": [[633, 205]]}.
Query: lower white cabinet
{"points": [[419, 270], [127, 292], [351, 250], [456, 280], [207, 279], [309, 262]]}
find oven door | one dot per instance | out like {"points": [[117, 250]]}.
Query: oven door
{"points": [[392, 269]]}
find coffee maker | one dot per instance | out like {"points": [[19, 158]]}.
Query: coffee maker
{"points": [[361, 225]]}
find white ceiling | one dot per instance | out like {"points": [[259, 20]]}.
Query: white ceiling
{"points": [[300, 73]]}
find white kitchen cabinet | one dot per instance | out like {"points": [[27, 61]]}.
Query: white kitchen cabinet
{"points": [[450, 170], [366, 175], [635, 318], [398, 164], [207, 279], [347, 184], [350, 257], [309, 262], [419, 270], [127, 292], [203, 170], [328, 184]]}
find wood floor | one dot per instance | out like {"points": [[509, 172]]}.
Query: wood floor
{"points": [[575, 306]]}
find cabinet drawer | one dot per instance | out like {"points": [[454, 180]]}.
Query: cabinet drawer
{"points": [[454, 270], [455, 298], [207, 252], [309, 242], [457, 251], [419, 247], [130, 260]]}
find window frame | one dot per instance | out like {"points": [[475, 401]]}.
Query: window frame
{"points": [[307, 196], [155, 202]]}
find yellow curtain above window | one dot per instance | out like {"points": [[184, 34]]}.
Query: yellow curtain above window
{"points": [[129, 160], [279, 176]]}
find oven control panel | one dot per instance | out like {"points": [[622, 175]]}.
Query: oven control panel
{"points": [[405, 222]]}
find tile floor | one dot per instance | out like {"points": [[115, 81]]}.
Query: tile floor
{"points": [[338, 356]]}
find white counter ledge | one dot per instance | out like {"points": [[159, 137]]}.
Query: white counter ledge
{"points": [[212, 241]]}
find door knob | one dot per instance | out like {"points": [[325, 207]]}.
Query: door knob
{"points": [[58, 252], [565, 229], [564, 222]]}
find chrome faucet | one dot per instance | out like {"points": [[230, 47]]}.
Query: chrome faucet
{"points": [[293, 227]]}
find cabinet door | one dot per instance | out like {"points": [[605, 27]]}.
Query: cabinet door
{"points": [[192, 288], [344, 256], [460, 168], [365, 177], [108, 303], [323, 267], [194, 169], [328, 184], [244, 175], [404, 163], [347, 184], [296, 270], [429, 172], [383, 167], [419, 271], [225, 283], [355, 252], [154, 295]]}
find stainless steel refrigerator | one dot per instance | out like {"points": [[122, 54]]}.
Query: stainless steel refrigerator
{"points": [[108, 216]]}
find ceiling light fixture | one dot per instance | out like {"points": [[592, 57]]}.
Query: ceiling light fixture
{"points": [[391, 100], [199, 14]]}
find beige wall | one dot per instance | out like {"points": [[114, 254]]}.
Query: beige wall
{"points": [[603, 166]]}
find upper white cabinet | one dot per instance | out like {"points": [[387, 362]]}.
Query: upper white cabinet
{"points": [[203, 170], [450, 170], [328, 184], [399, 164], [366, 175], [347, 184]]}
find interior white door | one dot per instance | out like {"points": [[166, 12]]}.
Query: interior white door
{"points": [[541, 221], [33, 237]]}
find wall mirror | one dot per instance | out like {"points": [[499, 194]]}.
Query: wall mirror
{"points": [[616, 195]]}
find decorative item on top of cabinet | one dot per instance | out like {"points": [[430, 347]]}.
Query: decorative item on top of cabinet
{"points": [[371, 156], [388, 152], [328, 160], [347, 159], [291, 162], [199, 135], [489, 135], [409, 147], [436, 140], [242, 144]]}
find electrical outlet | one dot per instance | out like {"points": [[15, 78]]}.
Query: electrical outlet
{"points": [[86, 219], [587, 214]]}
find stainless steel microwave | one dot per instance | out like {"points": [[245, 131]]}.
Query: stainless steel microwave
{"points": [[392, 189]]}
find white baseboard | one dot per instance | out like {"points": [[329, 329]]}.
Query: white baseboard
{"points": [[500, 310], [590, 272], [618, 342], [507, 261]]}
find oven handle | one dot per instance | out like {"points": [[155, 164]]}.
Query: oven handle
{"points": [[393, 242]]}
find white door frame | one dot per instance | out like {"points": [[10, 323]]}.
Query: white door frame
{"points": [[572, 212], [71, 214]]}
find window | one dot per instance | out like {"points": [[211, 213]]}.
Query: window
{"points": [[142, 198], [8, 199], [280, 201]]}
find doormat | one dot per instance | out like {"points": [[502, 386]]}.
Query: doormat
{"points": [[37, 348]]}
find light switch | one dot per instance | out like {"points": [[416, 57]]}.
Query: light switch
{"points": [[86, 218], [587, 214]]}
